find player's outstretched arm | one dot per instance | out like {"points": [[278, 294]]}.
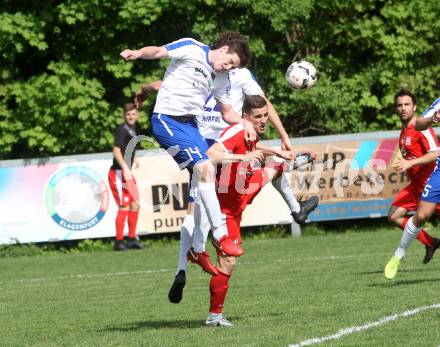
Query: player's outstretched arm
{"points": [[276, 121], [401, 165], [288, 155], [217, 153], [423, 123], [148, 52], [145, 92]]}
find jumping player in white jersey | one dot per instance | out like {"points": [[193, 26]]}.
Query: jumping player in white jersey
{"points": [[211, 125], [428, 201], [195, 72]]}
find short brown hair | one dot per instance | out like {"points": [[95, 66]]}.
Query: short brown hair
{"points": [[405, 92], [237, 43], [128, 107], [253, 101]]}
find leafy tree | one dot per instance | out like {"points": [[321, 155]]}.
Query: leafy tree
{"points": [[63, 82]]}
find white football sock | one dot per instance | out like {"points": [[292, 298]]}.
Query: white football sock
{"points": [[201, 229], [409, 234], [186, 235], [282, 185], [212, 207]]}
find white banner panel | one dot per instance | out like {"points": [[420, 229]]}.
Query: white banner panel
{"points": [[55, 201]]}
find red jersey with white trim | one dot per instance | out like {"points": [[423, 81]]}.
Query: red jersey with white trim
{"points": [[414, 144], [237, 181]]}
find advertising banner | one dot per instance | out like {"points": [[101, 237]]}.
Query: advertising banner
{"points": [[69, 198], [55, 201], [353, 179]]}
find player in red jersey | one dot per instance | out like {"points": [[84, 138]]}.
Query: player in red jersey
{"points": [[419, 151], [240, 178]]}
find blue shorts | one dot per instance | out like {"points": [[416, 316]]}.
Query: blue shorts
{"points": [[182, 140], [191, 198], [431, 192], [210, 142]]}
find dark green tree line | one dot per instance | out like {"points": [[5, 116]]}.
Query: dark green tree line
{"points": [[62, 82]]}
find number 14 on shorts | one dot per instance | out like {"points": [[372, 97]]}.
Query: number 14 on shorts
{"points": [[193, 151]]}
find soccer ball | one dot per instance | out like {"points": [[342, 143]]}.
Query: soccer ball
{"points": [[301, 75]]}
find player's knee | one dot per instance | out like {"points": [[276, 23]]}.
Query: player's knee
{"points": [[230, 263], [134, 206], [227, 264], [421, 217], [392, 219], [205, 170]]}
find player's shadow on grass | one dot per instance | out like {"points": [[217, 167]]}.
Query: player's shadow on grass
{"points": [[394, 283], [155, 324], [400, 271], [159, 324]]}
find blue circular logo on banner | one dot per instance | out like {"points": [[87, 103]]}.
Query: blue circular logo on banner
{"points": [[76, 198]]}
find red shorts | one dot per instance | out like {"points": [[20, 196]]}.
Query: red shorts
{"points": [[261, 179], [123, 192], [240, 194], [409, 198]]}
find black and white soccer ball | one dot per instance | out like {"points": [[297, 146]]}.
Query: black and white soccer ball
{"points": [[301, 75]]}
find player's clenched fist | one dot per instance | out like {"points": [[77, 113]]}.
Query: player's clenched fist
{"points": [[255, 155], [128, 54], [401, 165], [251, 134]]}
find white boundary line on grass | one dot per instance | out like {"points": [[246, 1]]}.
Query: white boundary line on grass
{"points": [[106, 274], [355, 329], [322, 258], [280, 260]]}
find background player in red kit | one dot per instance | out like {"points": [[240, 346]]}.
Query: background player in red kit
{"points": [[419, 151], [122, 182], [240, 178]]}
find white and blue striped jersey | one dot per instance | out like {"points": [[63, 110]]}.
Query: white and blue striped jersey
{"points": [[189, 79], [429, 112], [211, 123]]}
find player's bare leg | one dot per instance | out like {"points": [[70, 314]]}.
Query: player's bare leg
{"points": [[281, 182], [396, 216], [399, 217], [414, 225], [424, 212], [412, 228]]}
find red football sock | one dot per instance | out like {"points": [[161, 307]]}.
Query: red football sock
{"points": [[422, 236], [405, 220], [120, 223], [218, 288], [132, 222]]}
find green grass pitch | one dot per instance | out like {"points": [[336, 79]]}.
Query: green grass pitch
{"points": [[284, 291]]}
